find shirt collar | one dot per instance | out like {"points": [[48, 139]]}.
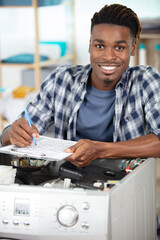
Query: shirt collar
{"points": [[124, 79], [86, 74]]}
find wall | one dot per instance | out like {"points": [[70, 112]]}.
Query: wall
{"points": [[17, 34]]}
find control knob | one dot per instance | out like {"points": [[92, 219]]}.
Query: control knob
{"points": [[67, 216]]}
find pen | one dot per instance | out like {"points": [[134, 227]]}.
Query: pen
{"points": [[29, 123]]}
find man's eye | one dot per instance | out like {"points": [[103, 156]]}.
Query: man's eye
{"points": [[119, 48], [100, 46]]}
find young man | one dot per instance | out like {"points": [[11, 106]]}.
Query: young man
{"points": [[112, 110]]}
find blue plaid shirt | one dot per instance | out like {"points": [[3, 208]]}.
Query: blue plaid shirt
{"points": [[137, 103]]}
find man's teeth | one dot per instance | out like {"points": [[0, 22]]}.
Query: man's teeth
{"points": [[108, 67]]}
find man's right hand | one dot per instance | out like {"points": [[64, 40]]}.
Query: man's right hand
{"points": [[19, 133]]}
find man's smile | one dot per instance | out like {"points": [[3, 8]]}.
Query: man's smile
{"points": [[108, 68]]}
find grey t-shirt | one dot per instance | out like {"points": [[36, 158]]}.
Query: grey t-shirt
{"points": [[95, 116]]}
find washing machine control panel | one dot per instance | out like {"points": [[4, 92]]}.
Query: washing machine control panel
{"points": [[30, 211]]}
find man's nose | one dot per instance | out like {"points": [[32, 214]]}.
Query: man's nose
{"points": [[109, 54]]}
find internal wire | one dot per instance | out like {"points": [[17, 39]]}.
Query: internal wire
{"points": [[129, 164]]}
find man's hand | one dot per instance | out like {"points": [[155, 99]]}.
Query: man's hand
{"points": [[20, 134], [84, 152]]}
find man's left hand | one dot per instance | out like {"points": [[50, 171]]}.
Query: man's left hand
{"points": [[84, 152]]}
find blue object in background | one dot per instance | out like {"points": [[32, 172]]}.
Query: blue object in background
{"points": [[2, 89], [157, 47], [29, 2], [63, 45], [23, 58], [15, 2], [48, 2], [142, 46]]}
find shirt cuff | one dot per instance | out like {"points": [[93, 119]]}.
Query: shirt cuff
{"points": [[157, 132], [2, 134]]}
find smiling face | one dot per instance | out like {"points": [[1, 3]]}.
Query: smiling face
{"points": [[110, 49]]}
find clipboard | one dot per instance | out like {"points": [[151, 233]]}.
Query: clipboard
{"points": [[47, 148]]}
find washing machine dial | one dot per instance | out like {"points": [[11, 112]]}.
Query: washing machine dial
{"points": [[67, 216]]}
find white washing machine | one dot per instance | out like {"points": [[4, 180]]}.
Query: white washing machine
{"points": [[126, 211]]}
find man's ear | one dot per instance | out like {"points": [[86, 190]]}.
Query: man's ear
{"points": [[133, 48]]}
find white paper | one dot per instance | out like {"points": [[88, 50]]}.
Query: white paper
{"points": [[47, 148]]}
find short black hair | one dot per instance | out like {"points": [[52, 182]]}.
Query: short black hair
{"points": [[119, 15]]}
